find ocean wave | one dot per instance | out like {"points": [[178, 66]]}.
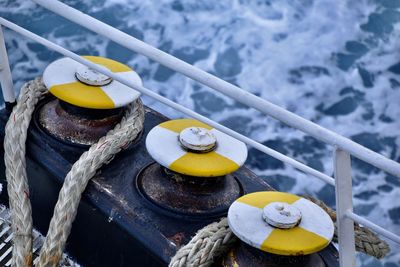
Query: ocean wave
{"points": [[333, 62]]}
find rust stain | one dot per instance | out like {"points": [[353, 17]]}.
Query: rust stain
{"points": [[245, 255], [51, 260], [229, 260], [177, 238], [28, 260], [77, 126], [185, 194]]}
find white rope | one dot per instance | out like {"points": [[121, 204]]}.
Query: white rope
{"points": [[215, 239], [209, 242], [366, 241], [17, 183], [75, 182], [78, 177]]}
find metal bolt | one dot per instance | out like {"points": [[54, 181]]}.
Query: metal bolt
{"points": [[91, 77], [197, 139], [281, 215]]}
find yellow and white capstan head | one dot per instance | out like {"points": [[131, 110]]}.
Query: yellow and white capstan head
{"points": [[81, 86], [280, 223], [193, 148]]}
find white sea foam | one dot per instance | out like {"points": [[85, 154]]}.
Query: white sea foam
{"points": [[290, 53]]}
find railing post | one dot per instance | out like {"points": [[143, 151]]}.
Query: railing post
{"points": [[344, 203], [7, 86]]}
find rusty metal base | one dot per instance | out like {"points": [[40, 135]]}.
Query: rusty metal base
{"points": [[243, 255], [187, 195], [115, 225], [77, 125]]}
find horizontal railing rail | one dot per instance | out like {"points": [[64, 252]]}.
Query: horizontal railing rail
{"points": [[369, 224], [273, 153], [222, 86], [343, 146], [166, 101]]}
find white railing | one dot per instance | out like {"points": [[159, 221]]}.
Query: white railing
{"points": [[344, 147]]}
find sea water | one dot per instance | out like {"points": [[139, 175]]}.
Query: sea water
{"points": [[333, 62]]}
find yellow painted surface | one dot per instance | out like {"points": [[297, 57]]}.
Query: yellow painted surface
{"points": [[178, 125], [112, 65], [82, 95], [261, 199], [295, 241], [205, 165]]}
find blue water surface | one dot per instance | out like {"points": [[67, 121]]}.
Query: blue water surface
{"points": [[336, 63]]}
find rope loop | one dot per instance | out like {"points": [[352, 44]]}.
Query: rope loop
{"points": [[215, 239], [75, 182]]}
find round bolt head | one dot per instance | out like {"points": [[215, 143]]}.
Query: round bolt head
{"points": [[91, 77], [281, 215], [197, 139], [246, 218]]}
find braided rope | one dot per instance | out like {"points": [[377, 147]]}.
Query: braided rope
{"points": [[366, 241], [17, 182], [215, 239], [76, 180], [74, 184], [208, 243]]}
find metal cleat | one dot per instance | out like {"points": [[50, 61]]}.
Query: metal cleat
{"points": [[81, 86], [196, 163], [285, 229], [88, 104], [190, 147]]}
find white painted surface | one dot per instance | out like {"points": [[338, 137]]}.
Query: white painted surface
{"points": [[62, 71], [344, 203], [6, 81], [315, 219], [246, 222], [230, 147], [163, 146], [121, 93]]}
